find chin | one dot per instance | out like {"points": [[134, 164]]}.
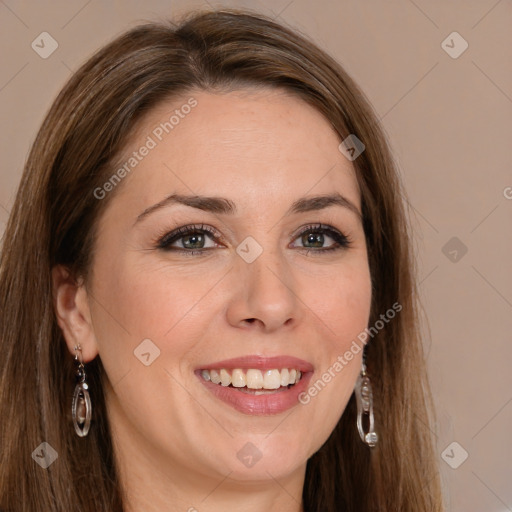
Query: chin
{"points": [[260, 457]]}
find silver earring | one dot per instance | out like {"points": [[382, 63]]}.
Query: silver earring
{"points": [[81, 405], [364, 398]]}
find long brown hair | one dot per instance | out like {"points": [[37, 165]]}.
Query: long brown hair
{"points": [[53, 221]]}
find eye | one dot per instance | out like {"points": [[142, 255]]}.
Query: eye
{"points": [[315, 236], [192, 240], [189, 239]]}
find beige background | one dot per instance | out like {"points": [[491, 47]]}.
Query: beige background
{"points": [[449, 124]]}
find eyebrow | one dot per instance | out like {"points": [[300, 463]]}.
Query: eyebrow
{"points": [[222, 205]]}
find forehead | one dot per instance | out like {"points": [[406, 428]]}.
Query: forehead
{"points": [[237, 144]]}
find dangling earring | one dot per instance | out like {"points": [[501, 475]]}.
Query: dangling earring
{"points": [[364, 398], [81, 405]]}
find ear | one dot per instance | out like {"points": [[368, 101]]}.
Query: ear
{"points": [[71, 304]]}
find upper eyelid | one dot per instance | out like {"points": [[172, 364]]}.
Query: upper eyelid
{"points": [[182, 231], [319, 226]]}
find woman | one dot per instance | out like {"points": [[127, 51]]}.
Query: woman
{"points": [[207, 288]]}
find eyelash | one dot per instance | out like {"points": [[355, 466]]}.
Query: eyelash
{"points": [[164, 241]]}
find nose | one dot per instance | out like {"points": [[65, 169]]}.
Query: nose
{"points": [[264, 294]]}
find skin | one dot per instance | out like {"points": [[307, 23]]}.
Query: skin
{"points": [[175, 442]]}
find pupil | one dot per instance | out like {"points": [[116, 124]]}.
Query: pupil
{"points": [[193, 239], [314, 238]]}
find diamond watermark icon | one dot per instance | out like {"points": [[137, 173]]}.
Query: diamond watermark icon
{"points": [[44, 45], [146, 352], [249, 249], [351, 147], [454, 249], [45, 455], [249, 455], [454, 45], [454, 455]]}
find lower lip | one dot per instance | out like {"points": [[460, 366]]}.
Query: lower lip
{"points": [[270, 404]]}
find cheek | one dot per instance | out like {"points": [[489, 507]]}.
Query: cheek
{"points": [[161, 303], [350, 307], [342, 301], [343, 305], [170, 307]]}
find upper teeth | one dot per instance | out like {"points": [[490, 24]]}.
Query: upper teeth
{"points": [[253, 378]]}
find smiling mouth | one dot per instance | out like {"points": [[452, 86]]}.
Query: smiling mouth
{"points": [[252, 380]]}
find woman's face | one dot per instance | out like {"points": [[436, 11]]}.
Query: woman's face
{"points": [[259, 295]]}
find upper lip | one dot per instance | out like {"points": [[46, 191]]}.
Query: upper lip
{"points": [[260, 362]]}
